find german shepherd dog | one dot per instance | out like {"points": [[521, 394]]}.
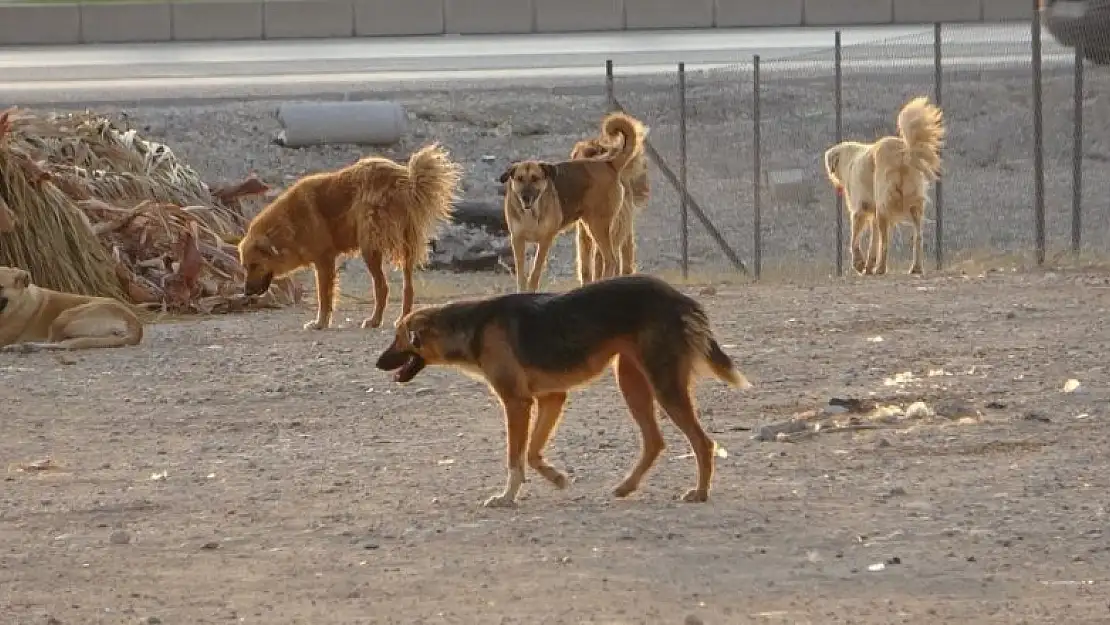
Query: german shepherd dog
{"points": [[544, 199], [532, 348], [637, 192]]}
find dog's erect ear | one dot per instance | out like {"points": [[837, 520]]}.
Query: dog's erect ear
{"points": [[22, 279], [507, 174], [549, 170]]}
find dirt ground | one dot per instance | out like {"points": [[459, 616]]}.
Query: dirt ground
{"points": [[241, 469]]}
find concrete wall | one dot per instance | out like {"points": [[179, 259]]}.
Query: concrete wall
{"points": [[199, 20]]}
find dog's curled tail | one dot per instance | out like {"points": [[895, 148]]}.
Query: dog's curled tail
{"points": [[708, 351], [630, 130], [921, 126], [433, 185]]}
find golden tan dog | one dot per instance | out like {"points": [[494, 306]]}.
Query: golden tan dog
{"points": [[381, 208], [543, 199], [33, 318], [885, 182], [637, 192], [532, 348]]}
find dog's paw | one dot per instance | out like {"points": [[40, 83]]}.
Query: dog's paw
{"points": [[625, 489], [916, 271], [695, 495], [500, 501], [316, 324], [371, 322]]}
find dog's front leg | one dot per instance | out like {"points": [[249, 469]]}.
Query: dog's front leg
{"points": [[520, 247], [543, 248], [518, 418], [374, 264], [325, 293]]}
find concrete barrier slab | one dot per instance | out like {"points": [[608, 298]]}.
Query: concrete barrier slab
{"points": [[40, 24], [468, 17], [204, 20], [1007, 10], [732, 13], [668, 14], [555, 16], [126, 22], [848, 12], [919, 12], [393, 17], [288, 19]]}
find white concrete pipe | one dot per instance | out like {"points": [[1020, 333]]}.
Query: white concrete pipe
{"points": [[372, 122]]}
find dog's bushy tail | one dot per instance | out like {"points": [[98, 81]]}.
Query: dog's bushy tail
{"points": [[432, 188], [708, 351], [630, 130], [921, 127]]}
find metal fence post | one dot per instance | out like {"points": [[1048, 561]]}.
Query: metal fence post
{"points": [[839, 105], [682, 170], [938, 190], [757, 173], [1077, 155], [610, 90], [1038, 140]]}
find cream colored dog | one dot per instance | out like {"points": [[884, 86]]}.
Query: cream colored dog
{"points": [[30, 315], [885, 183]]}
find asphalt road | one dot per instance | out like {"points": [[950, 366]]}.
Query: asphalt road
{"points": [[181, 71]]}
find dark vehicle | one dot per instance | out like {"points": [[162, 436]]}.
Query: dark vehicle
{"points": [[1080, 23]]}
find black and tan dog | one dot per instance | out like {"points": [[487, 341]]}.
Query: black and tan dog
{"points": [[544, 199], [532, 348]]}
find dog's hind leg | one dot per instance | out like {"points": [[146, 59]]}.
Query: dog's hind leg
{"points": [[585, 255], [518, 418], [672, 389], [325, 293], [859, 223], [917, 214], [543, 248], [880, 243], [375, 264], [641, 404], [549, 412], [408, 292], [628, 253], [603, 239]]}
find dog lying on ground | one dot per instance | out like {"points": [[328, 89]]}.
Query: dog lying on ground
{"points": [[532, 348], [385, 210], [885, 182], [637, 192], [33, 318], [543, 199]]}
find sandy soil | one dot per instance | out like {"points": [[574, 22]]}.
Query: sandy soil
{"points": [[240, 469]]}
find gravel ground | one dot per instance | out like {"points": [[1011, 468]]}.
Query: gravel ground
{"points": [[240, 469]]}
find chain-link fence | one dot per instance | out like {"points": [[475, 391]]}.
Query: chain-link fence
{"points": [[747, 141]]}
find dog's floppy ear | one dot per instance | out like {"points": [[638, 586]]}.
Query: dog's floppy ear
{"points": [[22, 279], [549, 170], [832, 160], [507, 174]]}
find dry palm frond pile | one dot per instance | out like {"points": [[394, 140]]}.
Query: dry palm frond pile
{"points": [[89, 208]]}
